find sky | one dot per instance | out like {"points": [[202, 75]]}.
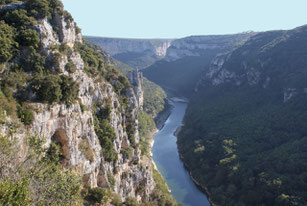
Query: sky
{"points": [[181, 18]]}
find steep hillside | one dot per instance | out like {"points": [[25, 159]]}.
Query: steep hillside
{"points": [[244, 138], [69, 119], [137, 53], [186, 59]]}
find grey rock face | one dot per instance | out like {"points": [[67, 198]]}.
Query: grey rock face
{"points": [[136, 79], [77, 125]]}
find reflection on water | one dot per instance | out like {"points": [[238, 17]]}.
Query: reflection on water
{"points": [[166, 157]]}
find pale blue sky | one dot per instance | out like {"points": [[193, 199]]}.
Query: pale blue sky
{"points": [[180, 18]]}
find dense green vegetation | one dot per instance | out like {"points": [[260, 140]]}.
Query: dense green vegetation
{"points": [[154, 98], [123, 68], [24, 67], [146, 128], [104, 130], [244, 143]]}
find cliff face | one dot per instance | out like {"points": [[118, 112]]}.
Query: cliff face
{"points": [[75, 124], [136, 79], [188, 58], [137, 53], [263, 60], [116, 46], [199, 45]]}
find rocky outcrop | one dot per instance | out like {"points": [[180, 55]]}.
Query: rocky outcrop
{"points": [[136, 79], [72, 126]]}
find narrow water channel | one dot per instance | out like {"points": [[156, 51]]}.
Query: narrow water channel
{"points": [[166, 158]]}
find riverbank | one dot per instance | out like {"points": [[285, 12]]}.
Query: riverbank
{"points": [[167, 160], [161, 118], [204, 189]]}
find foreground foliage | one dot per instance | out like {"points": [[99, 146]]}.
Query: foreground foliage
{"points": [[37, 178]]}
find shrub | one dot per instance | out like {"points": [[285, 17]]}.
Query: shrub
{"points": [[25, 114], [37, 179], [15, 193], [87, 150], [127, 152], [98, 195], [7, 103], [7, 43], [48, 89], [70, 89], [34, 62], [28, 37], [38, 8], [70, 67], [53, 88], [18, 18], [111, 181], [130, 201]]}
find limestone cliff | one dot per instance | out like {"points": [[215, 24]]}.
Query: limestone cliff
{"points": [[129, 174], [199, 45], [137, 53], [116, 46], [136, 79]]}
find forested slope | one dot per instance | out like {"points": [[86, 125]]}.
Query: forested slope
{"points": [[244, 134]]}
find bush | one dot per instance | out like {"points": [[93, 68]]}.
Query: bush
{"points": [[53, 88], [38, 8], [7, 43], [37, 179], [130, 201], [34, 62], [111, 181], [18, 18], [70, 67], [48, 89], [106, 134], [25, 114], [28, 37], [70, 89], [98, 195], [15, 193]]}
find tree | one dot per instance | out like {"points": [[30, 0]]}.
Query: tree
{"points": [[48, 89], [38, 8], [7, 43], [70, 89], [28, 37]]}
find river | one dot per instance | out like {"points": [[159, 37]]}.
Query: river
{"points": [[166, 158]]}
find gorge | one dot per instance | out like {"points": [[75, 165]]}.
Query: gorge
{"points": [[244, 91], [149, 122]]}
